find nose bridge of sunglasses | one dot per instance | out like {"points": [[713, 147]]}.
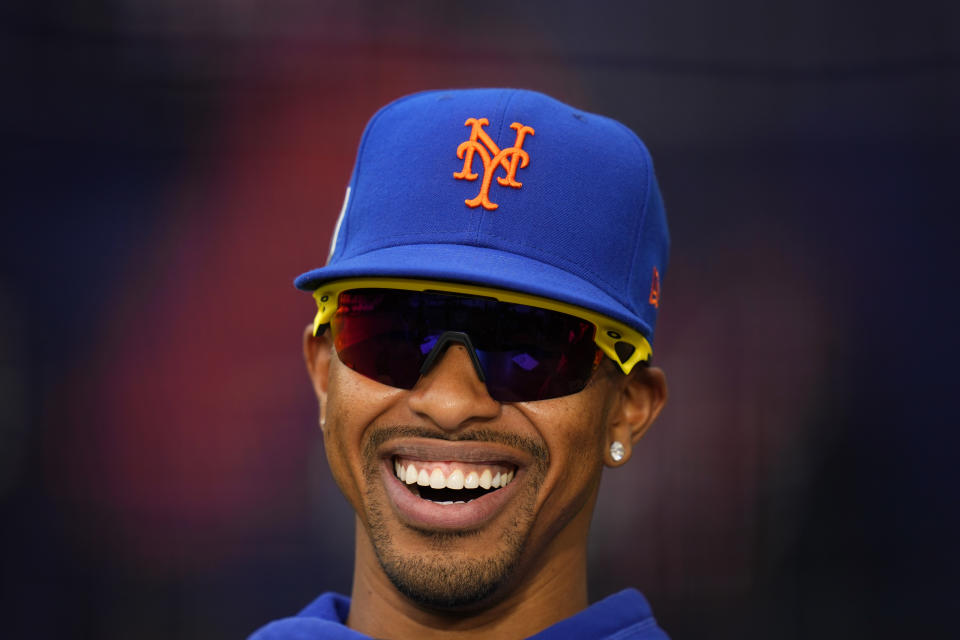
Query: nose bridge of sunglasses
{"points": [[446, 339]]}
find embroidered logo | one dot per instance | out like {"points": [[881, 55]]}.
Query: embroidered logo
{"points": [[492, 157], [655, 289]]}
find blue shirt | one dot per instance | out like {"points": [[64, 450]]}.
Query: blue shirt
{"points": [[618, 617]]}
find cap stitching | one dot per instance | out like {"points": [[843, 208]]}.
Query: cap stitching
{"points": [[502, 115]]}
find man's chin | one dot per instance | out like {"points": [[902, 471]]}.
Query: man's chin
{"points": [[451, 582], [449, 570]]}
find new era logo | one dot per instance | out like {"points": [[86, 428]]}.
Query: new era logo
{"points": [[493, 157], [655, 289]]}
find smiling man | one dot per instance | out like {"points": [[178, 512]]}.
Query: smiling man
{"points": [[481, 351]]}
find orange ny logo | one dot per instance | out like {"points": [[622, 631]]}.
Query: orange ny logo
{"points": [[492, 157]]}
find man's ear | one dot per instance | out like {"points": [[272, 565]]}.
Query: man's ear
{"points": [[317, 352], [640, 398]]}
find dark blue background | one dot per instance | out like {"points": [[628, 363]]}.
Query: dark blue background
{"points": [[168, 169]]}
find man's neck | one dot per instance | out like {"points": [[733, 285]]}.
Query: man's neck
{"points": [[557, 589]]}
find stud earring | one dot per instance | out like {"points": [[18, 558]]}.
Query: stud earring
{"points": [[617, 451]]}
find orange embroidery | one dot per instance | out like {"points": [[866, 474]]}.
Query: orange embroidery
{"points": [[655, 289], [492, 157]]}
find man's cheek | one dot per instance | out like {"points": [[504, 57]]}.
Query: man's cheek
{"points": [[342, 458], [582, 464]]}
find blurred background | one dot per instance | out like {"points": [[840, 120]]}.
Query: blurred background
{"points": [[170, 167]]}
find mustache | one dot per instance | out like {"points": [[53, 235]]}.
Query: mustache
{"points": [[381, 435]]}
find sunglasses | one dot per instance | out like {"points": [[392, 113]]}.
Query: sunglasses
{"points": [[523, 347]]}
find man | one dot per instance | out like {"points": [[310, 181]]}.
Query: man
{"points": [[481, 350]]}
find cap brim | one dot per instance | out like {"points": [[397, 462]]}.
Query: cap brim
{"points": [[476, 265]]}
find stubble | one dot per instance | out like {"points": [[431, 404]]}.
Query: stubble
{"points": [[438, 574]]}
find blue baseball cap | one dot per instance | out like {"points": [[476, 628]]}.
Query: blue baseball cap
{"points": [[510, 189]]}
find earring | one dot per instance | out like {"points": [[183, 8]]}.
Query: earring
{"points": [[617, 451]]}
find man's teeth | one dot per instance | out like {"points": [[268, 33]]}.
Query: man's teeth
{"points": [[452, 478]]}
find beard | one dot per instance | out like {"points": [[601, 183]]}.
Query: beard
{"points": [[438, 575]]}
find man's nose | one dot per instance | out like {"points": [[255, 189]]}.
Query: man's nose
{"points": [[451, 394]]}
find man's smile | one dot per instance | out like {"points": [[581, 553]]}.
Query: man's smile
{"points": [[436, 484], [458, 481]]}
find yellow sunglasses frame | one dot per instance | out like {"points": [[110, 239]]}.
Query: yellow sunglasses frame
{"points": [[609, 332]]}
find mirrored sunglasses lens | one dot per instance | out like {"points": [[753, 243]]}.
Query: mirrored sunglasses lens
{"points": [[372, 337], [526, 353], [555, 363]]}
